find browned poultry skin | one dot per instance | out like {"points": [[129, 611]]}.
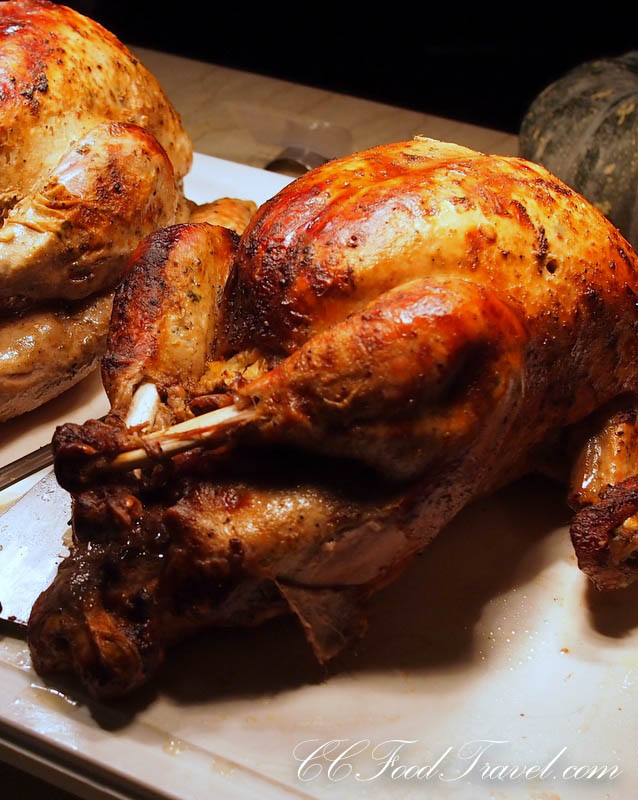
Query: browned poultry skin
{"points": [[340, 236], [92, 160], [143, 575], [165, 313], [73, 234], [606, 451], [47, 350], [62, 74], [402, 384], [229, 212], [354, 229], [418, 312], [604, 492]]}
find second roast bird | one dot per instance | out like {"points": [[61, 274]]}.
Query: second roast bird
{"points": [[395, 334], [93, 158]]}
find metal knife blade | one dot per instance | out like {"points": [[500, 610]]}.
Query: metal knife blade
{"points": [[32, 544], [25, 466]]}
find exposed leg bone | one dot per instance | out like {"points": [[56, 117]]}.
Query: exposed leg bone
{"points": [[341, 390], [209, 429], [144, 406]]}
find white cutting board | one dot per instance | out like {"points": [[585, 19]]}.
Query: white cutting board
{"points": [[493, 634]]}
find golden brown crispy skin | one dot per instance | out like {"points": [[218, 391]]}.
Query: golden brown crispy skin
{"points": [[606, 451], [403, 384], [343, 234], [61, 74], [229, 212], [92, 160], [72, 235], [349, 232], [337, 238], [418, 312], [165, 313]]}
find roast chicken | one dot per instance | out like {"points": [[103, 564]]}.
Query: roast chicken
{"points": [[297, 412], [93, 157]]}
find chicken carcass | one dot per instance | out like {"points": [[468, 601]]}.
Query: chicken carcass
{"points": [[395, 334], [93, 157]]}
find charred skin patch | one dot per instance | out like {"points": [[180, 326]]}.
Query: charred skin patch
{"points": [[145, 287]]}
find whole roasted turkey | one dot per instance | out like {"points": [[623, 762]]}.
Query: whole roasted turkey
{"points": [[92, 160], [297, 413]]}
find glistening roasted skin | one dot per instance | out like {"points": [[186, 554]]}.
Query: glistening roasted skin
{"points": [[604, 492], [46, 350], [342, 235], [73, 234], [229, 212], [411, 326], [92, 160], [341, 238], [165, 313], [61, 74]]}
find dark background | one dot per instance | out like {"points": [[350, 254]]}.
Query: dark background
{"points": [[484, 68]]}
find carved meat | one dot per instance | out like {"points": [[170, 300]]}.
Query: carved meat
{"points": [[401, 331]]}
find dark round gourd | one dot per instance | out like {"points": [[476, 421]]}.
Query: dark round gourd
{"points": [[584, 129]]}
